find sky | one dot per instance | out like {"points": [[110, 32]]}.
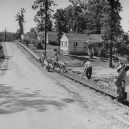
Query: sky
{"points": [[9, 9]]}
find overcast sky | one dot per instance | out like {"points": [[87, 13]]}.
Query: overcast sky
{"points": [[9, 8]]}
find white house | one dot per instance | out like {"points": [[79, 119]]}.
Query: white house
{"points": [[72, 43]]}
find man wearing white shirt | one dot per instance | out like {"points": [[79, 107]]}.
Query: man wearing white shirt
{"points": [[88, 69]]}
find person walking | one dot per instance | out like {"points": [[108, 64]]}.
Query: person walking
{"points": [[42, 58], [87, 69], [121, 81]]}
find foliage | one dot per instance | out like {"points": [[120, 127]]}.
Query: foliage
{"points": [[110, 24], [122, 45], [39, 45], [60, 23], [33, 30], [39, 18], [21, 21], [9, 36]]}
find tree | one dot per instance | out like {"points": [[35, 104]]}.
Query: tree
{"points": [[9, 36], [60, 23], [110, 24], [21, 21], [78, 22], [122, 45], [33, 30], [41, 13], [18, 35]]}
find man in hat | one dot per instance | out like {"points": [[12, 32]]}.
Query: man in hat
{"points": [[120, 81], [42, 58]]}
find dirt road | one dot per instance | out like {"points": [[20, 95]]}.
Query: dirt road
{"points": [[30, 98]]}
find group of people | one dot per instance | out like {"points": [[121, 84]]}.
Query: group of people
{"points": [[120, 78], [51, 63], [46, 60]]}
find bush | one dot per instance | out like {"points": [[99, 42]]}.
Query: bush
{"points": [[91, 54], [39, 46], [26, 42], [103, 53], [96, 53]]}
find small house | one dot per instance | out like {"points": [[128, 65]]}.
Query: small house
{"points": [[51, 37], [80, 44]]}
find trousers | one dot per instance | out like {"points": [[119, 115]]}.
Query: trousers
{"points": [[89, 72]]}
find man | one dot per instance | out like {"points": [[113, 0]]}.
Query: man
{"points": [[55, 61], [88, 69], [120, 81], [62, 67], [42, 58]]}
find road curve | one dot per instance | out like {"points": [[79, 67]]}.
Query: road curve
{"points": [[31, 100]]}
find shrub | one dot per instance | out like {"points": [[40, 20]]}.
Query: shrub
{"points": [[39, 46], [91, 54], [103, 53]]}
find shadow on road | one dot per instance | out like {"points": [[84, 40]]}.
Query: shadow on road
{"points": [[12, 101]]}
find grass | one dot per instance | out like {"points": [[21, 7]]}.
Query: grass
{"points": [[75, 64]]}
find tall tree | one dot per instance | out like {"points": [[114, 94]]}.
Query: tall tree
{"points": [[110, 21], [33, 30], [40, 15], [78, 18], [60, 24], [21, 20]]}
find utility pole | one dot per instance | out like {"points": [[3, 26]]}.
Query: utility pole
{"points": [[5, 35], [46, 9]]}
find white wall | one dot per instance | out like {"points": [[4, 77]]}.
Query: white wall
{"points": [[64, 44], [81, 47]]}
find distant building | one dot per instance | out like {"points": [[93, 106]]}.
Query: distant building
{"points": [[80, 44], [51, 37]]}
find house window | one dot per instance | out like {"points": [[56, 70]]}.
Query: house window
{"points": [[75, 44], [99, 44], [62, 43]]}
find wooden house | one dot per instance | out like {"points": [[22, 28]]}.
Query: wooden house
{"points": [[51, 37], [80, 44]]}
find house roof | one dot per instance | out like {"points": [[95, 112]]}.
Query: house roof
{"points": [[95, 38], [92, 38], [52, 36], [76, 37]]}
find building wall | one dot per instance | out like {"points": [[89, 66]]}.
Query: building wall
{"points": [[78, 47], [64, 47]]}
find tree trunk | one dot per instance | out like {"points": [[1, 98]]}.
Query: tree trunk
{"points": [[111, 47]]}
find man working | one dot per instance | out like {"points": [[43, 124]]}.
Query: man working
{"points": [[120, 81], [42, 58], [87, 70]]}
